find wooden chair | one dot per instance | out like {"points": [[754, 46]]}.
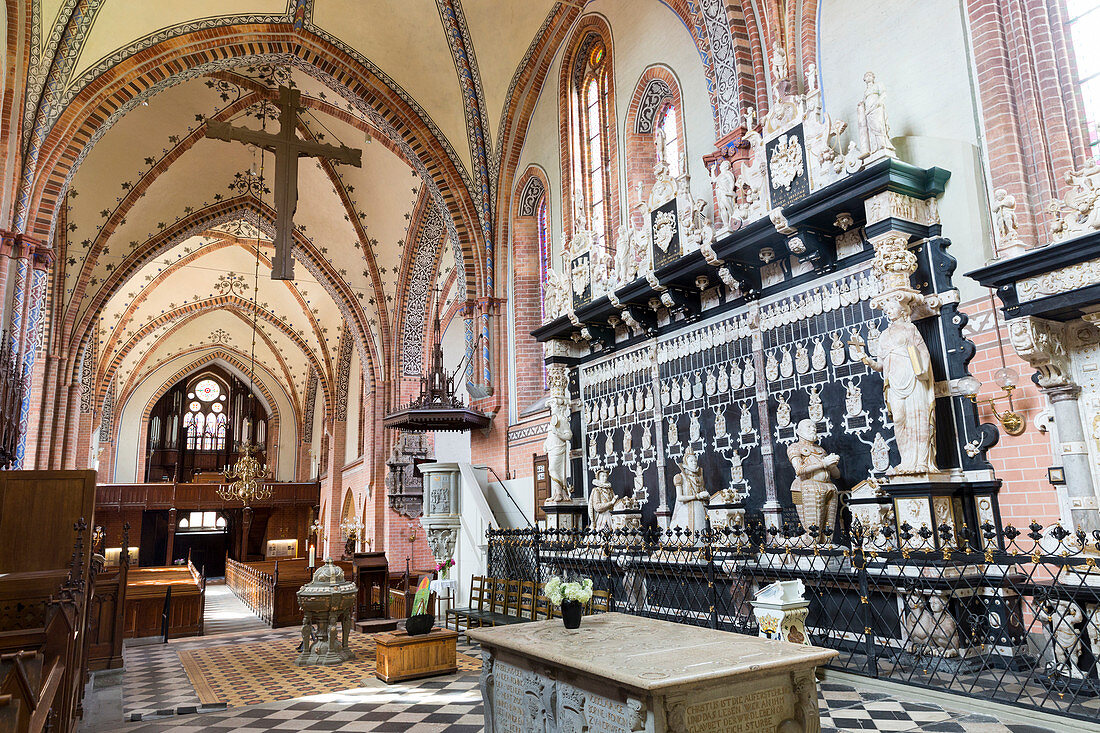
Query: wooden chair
{"points": [[527, 601], [475, 608], [542, 607], [600, 602], [507, 611]]}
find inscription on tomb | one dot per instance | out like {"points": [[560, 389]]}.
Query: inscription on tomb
{"points": [[745, 713], [508, 691], [602, 714]]}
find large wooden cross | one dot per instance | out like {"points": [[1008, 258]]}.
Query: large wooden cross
{"points": [[287, 148]]}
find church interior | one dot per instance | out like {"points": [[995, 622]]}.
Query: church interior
{"points": [[550, 365]]}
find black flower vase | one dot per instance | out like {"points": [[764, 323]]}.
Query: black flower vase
{"points": [[571, 614]]}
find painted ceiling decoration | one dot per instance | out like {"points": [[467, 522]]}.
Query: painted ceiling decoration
{"points": [[157, 230]]}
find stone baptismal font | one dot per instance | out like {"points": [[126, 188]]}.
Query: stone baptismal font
{"points": [[326, 602]]}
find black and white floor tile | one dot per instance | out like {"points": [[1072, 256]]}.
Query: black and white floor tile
{"points": [[158, 698]]}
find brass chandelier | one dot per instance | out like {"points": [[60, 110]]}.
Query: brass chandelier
{"points": [[245, 480]]}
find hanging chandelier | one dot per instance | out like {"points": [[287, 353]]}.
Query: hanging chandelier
{"points": [[245, 480]]}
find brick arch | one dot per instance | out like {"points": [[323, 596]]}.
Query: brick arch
{"points": [[132, 308], [107, 371], [124, 85], [532, 190], [137, 371], [201, 220], [656, 88], [589, 26], [228, 355]]}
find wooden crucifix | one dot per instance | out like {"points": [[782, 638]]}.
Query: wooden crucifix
{"points": [[287, 149]]}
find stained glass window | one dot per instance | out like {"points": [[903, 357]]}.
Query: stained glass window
{"points": [[207, 390], [589, 120], [671, 132], [1084, 25]]}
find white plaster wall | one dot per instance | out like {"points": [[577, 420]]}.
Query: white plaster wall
{"points": [[643, 33], [316, 440], [131, 413], [451, 446], [931, 102]]}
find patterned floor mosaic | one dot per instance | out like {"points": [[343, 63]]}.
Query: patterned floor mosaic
{"points": [[248, 674]]}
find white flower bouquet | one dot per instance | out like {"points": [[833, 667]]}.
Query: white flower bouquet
{"points": [[558, 590]]}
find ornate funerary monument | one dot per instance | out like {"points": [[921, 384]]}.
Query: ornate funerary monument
{"points": [[783, 394], [795, 362]]}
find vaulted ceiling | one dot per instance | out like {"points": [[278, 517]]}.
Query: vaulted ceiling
{"points": [[162, 226]]}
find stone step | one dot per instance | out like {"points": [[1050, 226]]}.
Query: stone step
{"points": [[376, 625]]}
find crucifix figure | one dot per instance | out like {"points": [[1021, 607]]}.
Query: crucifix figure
{"points": [[287, 149]]}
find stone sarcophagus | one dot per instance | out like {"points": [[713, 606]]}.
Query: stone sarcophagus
{"points": [[626, 674]]}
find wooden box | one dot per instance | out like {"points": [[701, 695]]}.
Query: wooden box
{"points": [[399, 656]]}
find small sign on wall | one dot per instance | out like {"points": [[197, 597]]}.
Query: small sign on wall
{"points": [[282, 548]]}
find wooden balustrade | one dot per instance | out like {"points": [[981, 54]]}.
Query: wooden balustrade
{"points": [[198, 496], [269, 588]]}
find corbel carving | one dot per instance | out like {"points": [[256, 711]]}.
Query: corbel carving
{"points": [[1040, 343]]}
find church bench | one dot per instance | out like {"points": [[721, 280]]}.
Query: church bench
{"points": [[146, 592]]}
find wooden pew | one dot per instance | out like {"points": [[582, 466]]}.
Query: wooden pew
{"points": [[146, 590]]}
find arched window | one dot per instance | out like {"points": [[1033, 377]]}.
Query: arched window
{"points": [[668, 130], [591, 153], [1084, 24], [543, 230], [205, 417]]}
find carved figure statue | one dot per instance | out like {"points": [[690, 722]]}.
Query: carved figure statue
{"points": [[725, 191], [750, 183], [601, 501], [1079, 211], [1004, 218], [874, 128], [558, 296], [1062, 618], [691, 496], [908, 385], [813, 490], [664, 187], [918, 623], [945, 635], [625, 268], [639, 246], [557, 448]]}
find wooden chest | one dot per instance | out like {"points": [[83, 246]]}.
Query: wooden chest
{"points": [[399, 656]]}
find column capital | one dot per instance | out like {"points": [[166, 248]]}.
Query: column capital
{"points": [[1062, 392]]}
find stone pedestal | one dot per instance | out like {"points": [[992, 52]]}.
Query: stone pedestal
{"points": [[936, 502], [568, 515], [626, 673], [441, 520], [781, 610]]}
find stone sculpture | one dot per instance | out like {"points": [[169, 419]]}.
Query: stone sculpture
{"points": [[908, 385], [601, 501], [1062, 619], [813, 490], [1004, 219], [874, 128], [725, 191], [557, 296], [557, 448], [691, 495], [929, 625], [1079, 212]]}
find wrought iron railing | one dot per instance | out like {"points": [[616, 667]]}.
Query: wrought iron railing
{"points": [[1008, 615]]}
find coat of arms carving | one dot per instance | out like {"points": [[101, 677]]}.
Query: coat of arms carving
{"points": [[664, 229]]}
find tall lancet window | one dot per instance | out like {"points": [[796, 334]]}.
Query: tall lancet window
{"points": [[668, 132], [1084, 27], [590, 142], [544, 255]]}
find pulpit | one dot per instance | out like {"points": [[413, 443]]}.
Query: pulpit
{"points": [[372, 572]]}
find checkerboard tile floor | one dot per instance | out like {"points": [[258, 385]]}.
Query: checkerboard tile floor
{"points": [[155, 680]]}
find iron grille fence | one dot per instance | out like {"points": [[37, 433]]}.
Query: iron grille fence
{"points": [[1009, 615]]}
